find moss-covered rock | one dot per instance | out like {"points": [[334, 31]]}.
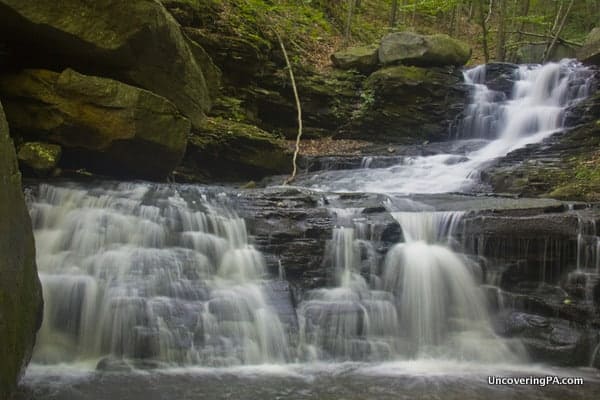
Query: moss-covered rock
{"points": [[229, 150], [39, 158], [407, 104], [328, 101], [423, 50], [103, 125], [136, 41], [20, 289], [362, 58]]}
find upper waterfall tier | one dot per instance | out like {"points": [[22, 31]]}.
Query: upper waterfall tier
{"points": [[534, 110]]}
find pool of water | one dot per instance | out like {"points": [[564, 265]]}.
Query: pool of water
{"points": [[434, 379]]}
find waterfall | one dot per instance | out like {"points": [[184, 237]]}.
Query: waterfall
{"points": [[442, 310], [146, 272], [534, 110], [426, 303]]}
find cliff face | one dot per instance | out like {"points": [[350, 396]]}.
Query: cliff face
{"points": [[20, 290]]}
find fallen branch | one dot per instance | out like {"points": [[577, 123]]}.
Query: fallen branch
{"points": [[541, 35], [292, 177]]}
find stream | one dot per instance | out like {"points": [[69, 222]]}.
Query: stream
{"points": [[166, 291]]}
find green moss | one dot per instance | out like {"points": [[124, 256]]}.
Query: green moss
{"points": [[582, 182]]}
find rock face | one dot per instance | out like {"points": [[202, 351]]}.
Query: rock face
{"points": [[364, 59], [223, 149], [103, 125], [407, 104], [20, 289], [426, 51], [590, 52], [328, 101], [39, 158], [135, 41]]}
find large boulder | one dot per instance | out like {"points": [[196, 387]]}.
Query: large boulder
{"points": [[423, 50], [590, 52], [406, 104], [229, 150], [102, 125], [363, 58], [20, 289], [136, 41]]}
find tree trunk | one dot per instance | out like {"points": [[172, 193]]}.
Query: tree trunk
{"points": [[550, 47], [348, 33], [501, 38], [393, 13], [484, 32]]}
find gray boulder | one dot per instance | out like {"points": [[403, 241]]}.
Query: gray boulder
{"points": [[421, 50], [362, 58]]}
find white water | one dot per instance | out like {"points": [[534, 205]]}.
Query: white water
{"points": [[425, 304], [137, 271], [535, 111]]}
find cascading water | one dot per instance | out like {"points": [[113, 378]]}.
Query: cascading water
{"points": [[425, 304], [137, 271], [534, 111], [161, 276], [350, 321]]}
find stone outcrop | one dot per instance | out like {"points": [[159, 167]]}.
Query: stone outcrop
{"points": [[426, 51], [20, 289], [102, 125], [229, 150], [407, 104], [364, 58], [137, 42]]}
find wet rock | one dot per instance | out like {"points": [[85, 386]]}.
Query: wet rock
{"points": [[364, 59], [112, 364], [547, 339], [39, 158], [21, 294], [135, 42], [501, 77], [102, 125], [428, 51]]}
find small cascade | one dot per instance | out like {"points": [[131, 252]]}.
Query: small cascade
{"points": [[139, 271], [584, 281], [350, 321], [442, 310], [425, 303]]}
